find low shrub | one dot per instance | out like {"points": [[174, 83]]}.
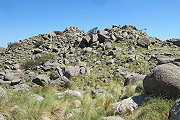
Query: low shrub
{"points": [[31, 63], [38, 43], [58, 32], [13, 45]]}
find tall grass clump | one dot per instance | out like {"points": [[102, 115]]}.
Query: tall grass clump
{"points": [[13, 45]]}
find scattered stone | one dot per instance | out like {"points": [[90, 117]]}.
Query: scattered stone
{"points": [[132, 77], [71, 71], [21, 87], [2, 117], [37, 51], [97, 90], [164, 59], [175, 42], [61, 82], [144, 42], [112, 118], [78, 94], [37, 97], [130, 104], [15, 78]]}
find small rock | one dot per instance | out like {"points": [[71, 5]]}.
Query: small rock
{"points": [[112, 118], [130, 104], [78, 94], [41, 79], [21, 87], [37, 51], [97, 90], [2, 117], [37, 97]]}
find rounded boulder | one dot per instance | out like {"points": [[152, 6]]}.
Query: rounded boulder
{"points": [[164, 80]]}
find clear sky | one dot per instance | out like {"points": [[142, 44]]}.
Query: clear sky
{"points": [[20, 19]]}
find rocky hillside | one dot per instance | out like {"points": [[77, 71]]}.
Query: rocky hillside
{"points": [[102, 74]]}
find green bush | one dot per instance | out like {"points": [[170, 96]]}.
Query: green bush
{"points": [[13, 45], [58, 32], [31, 63], [38, 43]]}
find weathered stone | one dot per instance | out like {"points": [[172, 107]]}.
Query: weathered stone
{"points": [[2, 117], [94, 38], [112, 118], [78, 94], [61, 82], [41, 80], [97, 90], [175, 42], [71, 71], [163, 80], [15, 78], [130, 104], [144, 42], [21, 87], [102, 36], [81, 64], [164, 59], [132, 77], [175, 111], [36, 51]]}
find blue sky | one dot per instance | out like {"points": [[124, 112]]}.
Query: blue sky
{"points": [[20, 19]]}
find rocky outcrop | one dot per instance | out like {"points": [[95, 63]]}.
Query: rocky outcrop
{"points": [[163, 80], [175, 42]]}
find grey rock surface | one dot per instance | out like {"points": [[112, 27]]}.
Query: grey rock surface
{"points": [[175, 111], [163, 80]]}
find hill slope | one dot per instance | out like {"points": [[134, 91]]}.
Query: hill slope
{"points": [[72, 74]]}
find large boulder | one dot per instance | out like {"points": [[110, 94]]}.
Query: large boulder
{"points": [[144, 42], [175, 111], [163, 80], [41, 80], [14, 78], [61, 82]]}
